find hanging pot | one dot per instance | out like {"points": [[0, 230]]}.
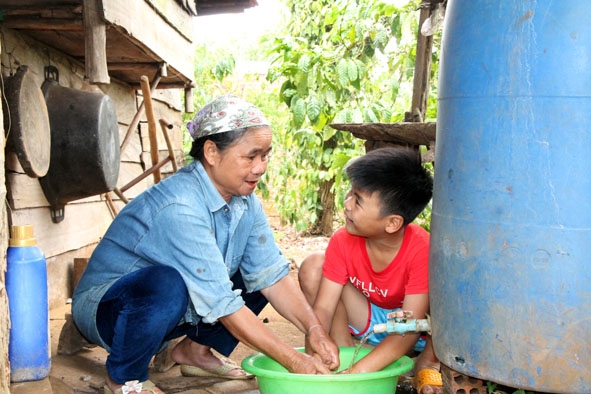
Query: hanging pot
{"points": [[27, 123], [84, 144]]}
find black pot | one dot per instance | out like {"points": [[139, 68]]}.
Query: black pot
{"points": [[84, 144]]}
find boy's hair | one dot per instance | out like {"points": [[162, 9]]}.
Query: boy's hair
{"points": [[403, 185]]}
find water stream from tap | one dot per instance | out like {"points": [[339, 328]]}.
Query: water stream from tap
{"points": [[361, 343]]}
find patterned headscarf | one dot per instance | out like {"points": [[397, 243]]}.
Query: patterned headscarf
{"points": [[225, 113]]}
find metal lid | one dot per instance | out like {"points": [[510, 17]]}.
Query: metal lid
{"points": [[22, 236]]}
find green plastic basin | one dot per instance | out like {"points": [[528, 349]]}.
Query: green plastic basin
{"points": [[275, 379]]}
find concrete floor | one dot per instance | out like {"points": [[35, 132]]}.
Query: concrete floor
{"points": [[84, 372]]}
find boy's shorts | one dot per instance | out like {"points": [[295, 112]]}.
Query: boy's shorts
{"points": [[379, 315]]}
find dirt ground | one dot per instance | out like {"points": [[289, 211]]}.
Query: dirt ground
{"points": [[84, 372]]}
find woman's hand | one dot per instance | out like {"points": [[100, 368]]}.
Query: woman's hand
{"points": [[321, 346], [306, 364]]}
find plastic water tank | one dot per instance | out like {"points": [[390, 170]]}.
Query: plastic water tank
{"points": [[510, 274]]}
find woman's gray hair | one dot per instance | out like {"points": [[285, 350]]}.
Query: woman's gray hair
{"points": [[221, 140]]}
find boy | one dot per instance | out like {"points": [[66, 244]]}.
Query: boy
{"points": [[377, 263]]}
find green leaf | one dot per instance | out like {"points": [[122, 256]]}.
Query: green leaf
{"points": [[304, 63], [328, 133], [299, 112], [394, 88], [381, 38], [396, 26], [321, 122], [330, 97], [370, 116], [343, 116], [313, 109], [352, 73], [343, 72], [287, 91], [361, 69]]}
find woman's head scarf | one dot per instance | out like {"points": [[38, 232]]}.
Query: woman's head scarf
{"points": [[225, 113]]}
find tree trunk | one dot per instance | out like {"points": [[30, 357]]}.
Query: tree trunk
{"points": [[325, 216]]}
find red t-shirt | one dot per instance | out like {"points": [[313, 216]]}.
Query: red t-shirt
{"points": [[347, 260]]}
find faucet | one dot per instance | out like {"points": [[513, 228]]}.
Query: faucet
{"points": [[401, 322]]}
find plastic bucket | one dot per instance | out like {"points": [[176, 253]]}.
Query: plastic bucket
{"points": [[275, 379]]}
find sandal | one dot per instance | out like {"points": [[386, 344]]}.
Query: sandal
{"points": [[223, 371], [427, 377], [133, 386]]}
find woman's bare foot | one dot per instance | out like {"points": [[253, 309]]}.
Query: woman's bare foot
{"points": [[115, 386], [191, 353]]}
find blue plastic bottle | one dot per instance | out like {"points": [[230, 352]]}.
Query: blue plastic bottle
{"points": [[29, 348]]}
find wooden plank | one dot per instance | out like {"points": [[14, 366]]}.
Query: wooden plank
{"points": [[128, 172], [45, 24], [95, 43], [171, 97], [150, 30], [175, 16], [70, 234], [26, 192], [4, 311], [175, 133], [60, 274], [42, 17], [133, 149], [404, 133], [125, 98], [12, 163], [24, 50]]}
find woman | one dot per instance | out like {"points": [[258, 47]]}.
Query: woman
{"points": [[194, 251]]}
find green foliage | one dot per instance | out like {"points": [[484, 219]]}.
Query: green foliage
{"points": [[342, 61]]}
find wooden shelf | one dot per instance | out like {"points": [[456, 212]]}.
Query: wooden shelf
{"points": [[403, 133]]}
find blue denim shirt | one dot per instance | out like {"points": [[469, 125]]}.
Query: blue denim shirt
{"points": [[183, 222]]}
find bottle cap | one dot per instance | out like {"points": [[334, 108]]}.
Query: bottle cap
{"points": [[22, 236]]}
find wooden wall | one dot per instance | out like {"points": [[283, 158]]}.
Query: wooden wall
{"points": [[4, 314], [85, 220]]}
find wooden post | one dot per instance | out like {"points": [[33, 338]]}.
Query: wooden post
{"points": [[420, 90], [189, 106], [145, 83], [95, 40], [165, 125], [138, 115]]}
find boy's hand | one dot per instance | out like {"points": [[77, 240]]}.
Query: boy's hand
{"points": [[320, 345], [401, 314]]}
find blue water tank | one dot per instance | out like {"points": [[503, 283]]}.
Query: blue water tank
{"points": [[510, 271], [29, 348]]}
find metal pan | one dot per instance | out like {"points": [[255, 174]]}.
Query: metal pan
{"points": [[26, 122]]}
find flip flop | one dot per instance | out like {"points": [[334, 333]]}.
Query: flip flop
{"points": [[223, 371], [143, 386], [427, 377]]}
